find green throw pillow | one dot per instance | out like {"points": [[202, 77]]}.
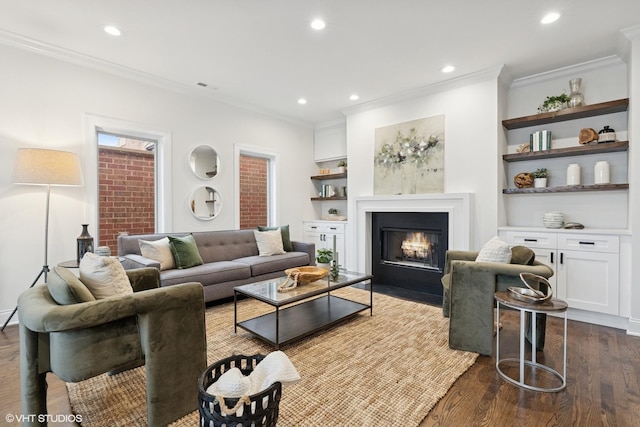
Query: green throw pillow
{"points": [[185, 251], [65, 288], [522, 255], [286, 238]]}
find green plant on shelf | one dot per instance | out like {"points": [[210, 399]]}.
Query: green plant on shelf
{"points": [[540, 173], [333, 211]]}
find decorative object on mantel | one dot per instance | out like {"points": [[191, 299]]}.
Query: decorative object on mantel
{"points": [[554, 103], [540, 177], [553, 219], [85, 242], [607, 135], [409, 157], [523, 180], [576, 99], [587, 135], [573, 174]]}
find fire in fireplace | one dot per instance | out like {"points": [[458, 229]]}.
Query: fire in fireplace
{"points": [[408, 249]]}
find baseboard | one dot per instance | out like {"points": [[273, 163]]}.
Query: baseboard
{"points": [[4, 315], [634, 327], [598, 318]]}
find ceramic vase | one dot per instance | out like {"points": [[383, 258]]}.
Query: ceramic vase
{"points": [[84, 242]]}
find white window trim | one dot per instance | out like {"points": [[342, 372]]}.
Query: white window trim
{"points": [[273, 181], [164, 198]]}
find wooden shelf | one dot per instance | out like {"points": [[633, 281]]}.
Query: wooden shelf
{"points": [[567, 189], [324, 199], [605, 147], [610, 107], [330, 176]]}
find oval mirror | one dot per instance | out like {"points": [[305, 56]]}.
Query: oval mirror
{"points": [[204, 203], [204, 162]]}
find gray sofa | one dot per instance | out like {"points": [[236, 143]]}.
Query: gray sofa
{"points": [[230, 259]]}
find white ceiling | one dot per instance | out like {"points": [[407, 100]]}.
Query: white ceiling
{"points": [[262, 54]]}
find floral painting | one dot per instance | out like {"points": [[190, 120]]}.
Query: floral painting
{"points": [[409, 157]]}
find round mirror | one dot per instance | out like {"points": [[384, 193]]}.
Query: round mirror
{"points": [[204, 162], [204, 203]]}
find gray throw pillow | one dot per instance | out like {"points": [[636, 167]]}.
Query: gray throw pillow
{"points": [[65, 288]]}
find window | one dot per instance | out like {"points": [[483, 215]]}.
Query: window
{"points": [[256, 186], [126, 187]]}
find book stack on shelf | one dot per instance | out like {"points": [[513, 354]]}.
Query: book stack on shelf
{"points": [[540, 140]]}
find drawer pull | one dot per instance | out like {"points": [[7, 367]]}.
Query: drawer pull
{"points": [[551, 257], [530, 240], [314, 227], [588, 243]]}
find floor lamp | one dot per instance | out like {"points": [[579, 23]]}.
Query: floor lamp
{"points": [[37, 166]]}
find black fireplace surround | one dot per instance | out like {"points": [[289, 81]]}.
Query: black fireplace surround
{"points": [[408, 249]]}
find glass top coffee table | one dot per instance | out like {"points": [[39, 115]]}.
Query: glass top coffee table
{"points": [[316, 308]]}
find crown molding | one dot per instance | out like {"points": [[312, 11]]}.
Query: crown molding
{"points": [[330, 124], [625, 39], [87, 61], [569, 71], [457, 82]]}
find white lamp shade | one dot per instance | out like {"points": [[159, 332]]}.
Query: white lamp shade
{"points": [[47, 167]]}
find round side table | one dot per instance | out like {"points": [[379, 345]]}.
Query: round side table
{"points": [[506, 299]]}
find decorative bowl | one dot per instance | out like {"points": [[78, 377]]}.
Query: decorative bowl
{"points": [[307, 274], [530, 294]]}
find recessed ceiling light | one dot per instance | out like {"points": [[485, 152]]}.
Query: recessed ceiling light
{"points": [[302, 101], [550, 17], [318, 24], [110, 29], [448, 69], [354, 97]]}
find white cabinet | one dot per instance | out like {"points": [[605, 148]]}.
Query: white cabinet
{"points": [[587, 266], [322, 232]]}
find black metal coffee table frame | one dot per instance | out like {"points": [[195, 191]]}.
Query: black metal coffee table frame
{"points": [[305, 310]]}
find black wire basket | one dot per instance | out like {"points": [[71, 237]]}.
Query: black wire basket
{"points": [[261, 409]]}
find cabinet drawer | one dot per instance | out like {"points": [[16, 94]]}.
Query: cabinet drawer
{"points": [[589, 242], [321, 227], [532, 239]]}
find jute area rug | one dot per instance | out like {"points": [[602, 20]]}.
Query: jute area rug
{"points": [[388, 369]]}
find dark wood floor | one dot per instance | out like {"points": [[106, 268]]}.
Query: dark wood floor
{"points": [[603, 383]]}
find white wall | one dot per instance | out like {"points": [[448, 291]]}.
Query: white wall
{"points": [[44, 103], [472, 162]]}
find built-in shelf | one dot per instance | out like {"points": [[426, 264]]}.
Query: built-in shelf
{"points": [[330, 176], [609, 147], [610, 107], [567, 189], [328, 198]]}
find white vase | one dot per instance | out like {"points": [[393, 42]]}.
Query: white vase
{"points": [[573, 174], [601, 172], [539, 182]]}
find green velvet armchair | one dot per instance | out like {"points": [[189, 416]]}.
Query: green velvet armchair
{"points": [[468, 289], [162, 328]]}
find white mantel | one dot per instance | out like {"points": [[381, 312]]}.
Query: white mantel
{"points": [[457, 205]]}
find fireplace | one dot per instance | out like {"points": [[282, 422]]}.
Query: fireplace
{"points": [[408, 249]]}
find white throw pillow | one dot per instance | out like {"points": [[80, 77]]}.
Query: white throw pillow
{"points": [[269, 242], [495, 250], [158, 250], [104, 276]]}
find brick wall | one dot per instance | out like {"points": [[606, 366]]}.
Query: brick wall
{"points": [[253, 191], [126, 179]]}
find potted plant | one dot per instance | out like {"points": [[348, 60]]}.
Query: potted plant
{"points": [[554, 103], [342, 166], [540, 177], [324, 257], [333, 211]]}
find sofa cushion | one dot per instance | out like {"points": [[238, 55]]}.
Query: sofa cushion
{"points": [[207, 274], [269, 242], [265, 265], [158, 250], [286, 236], [522, 255], [185, 252], [65, 288], [104, 276], [495, 250]]}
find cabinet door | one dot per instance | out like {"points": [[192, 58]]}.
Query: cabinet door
{"points": [[589, 280], [549, 258]]}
